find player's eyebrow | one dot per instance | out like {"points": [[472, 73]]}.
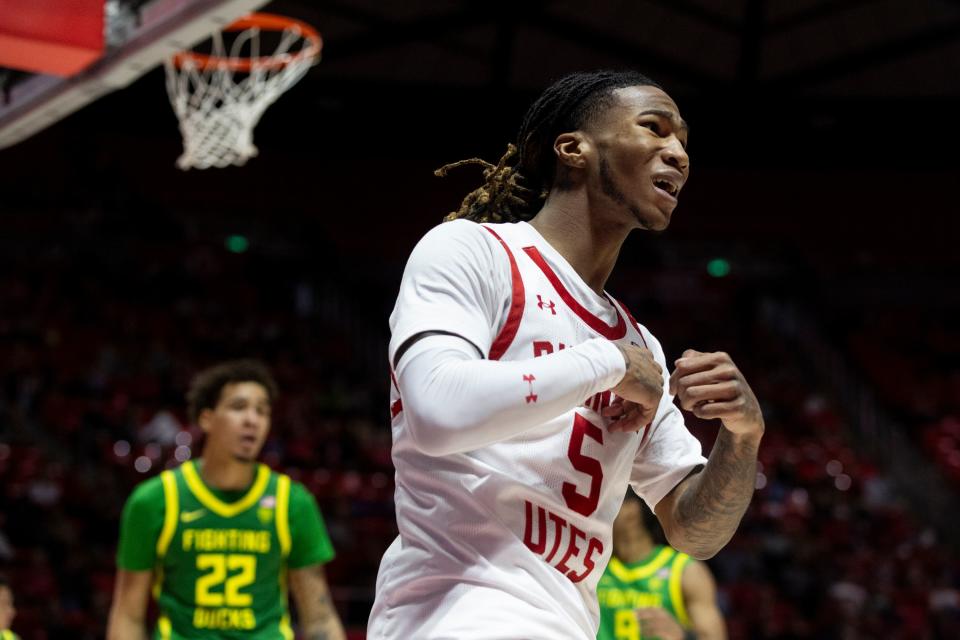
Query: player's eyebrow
{"points": [[669, 115]]}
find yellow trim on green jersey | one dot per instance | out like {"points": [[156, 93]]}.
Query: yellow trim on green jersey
{"points": [[212, 502], [285, 627], [6, 634], [157, 582], [618, 569], [171, 511], [676, 588], [171, 504], [164, 627], [283, 513], [283, 534]]}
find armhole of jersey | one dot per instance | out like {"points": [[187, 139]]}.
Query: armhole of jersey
{"points": [[517, 302], [676, 589], [397, 405], [164, 627], [171, 511], [633, 321], [283, 534], [285, 629], [283, 514]]}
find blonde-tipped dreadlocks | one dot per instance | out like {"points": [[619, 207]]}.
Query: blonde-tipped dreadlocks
{"points": [[501, 198], [514, 193]]}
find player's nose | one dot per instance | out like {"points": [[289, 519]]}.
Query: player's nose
{"points": [[676, 156]]}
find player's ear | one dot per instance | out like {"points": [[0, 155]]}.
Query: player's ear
{"points": [[572, 149], [203, 420]]}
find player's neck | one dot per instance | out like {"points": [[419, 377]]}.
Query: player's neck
{"points": [[633, 548], [226, 474], [590, 243]]}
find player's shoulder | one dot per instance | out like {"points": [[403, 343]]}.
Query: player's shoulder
{"points": [[148, 492], [457, 236], [693, 569], [279, 477], [300, 495], [296, 489], [456, 247], [460, 227]]}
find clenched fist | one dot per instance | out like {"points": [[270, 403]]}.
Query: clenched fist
{"points": [[639, 391], [711, 386]]}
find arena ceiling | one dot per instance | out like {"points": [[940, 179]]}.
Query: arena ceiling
{"points": [[821, 47], [808, 67]]}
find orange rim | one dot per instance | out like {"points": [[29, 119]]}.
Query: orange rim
{"points": [[265, 22]]}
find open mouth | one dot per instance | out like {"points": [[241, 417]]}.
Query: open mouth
{"points": [[666, 185]]}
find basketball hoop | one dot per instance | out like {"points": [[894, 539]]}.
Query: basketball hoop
{"points": [[219, 97]]}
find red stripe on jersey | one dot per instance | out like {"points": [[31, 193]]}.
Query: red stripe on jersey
{"points": [[510, 328], [397, 405], [636, 325], [646, 432], [611, 333]]}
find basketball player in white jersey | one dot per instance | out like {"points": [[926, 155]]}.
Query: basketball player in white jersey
{"points": [[525, 399]]}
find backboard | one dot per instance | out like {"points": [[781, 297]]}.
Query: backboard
{"points": [[58, 55]]}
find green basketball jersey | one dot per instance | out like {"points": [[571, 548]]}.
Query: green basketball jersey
{"points": [[220, 564], [651, 582], [8, 635]]}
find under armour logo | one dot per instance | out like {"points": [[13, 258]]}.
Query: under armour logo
{"points": [[529, 380], [549, 304]]}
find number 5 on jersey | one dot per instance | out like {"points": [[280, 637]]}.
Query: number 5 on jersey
{"points": [[585, 505]]}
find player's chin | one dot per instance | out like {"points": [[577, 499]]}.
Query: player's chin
{"points": [[659, 224], [653, 218], [246, 454]]}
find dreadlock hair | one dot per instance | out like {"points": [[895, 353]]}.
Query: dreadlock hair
{"points": [[206, 387], [516, 191]]}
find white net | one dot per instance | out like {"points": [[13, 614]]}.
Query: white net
{"points": [[219, 107]]}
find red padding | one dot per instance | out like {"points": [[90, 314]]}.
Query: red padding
{"points": [[57, 37]]}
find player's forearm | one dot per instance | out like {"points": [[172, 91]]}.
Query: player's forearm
{"points": [[330, 629], [708, 624], [708, 511], [124, 627], [318, 617], [454, 402], [713, 632]]}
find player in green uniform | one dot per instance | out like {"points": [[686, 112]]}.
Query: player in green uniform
{"points": [[220, 540], [7, 612], [650, 590]]}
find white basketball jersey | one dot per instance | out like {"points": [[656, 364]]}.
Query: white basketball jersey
{"points": [[510, 540]]}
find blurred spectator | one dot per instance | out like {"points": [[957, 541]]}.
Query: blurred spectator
{"points": [[7, 611]]}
